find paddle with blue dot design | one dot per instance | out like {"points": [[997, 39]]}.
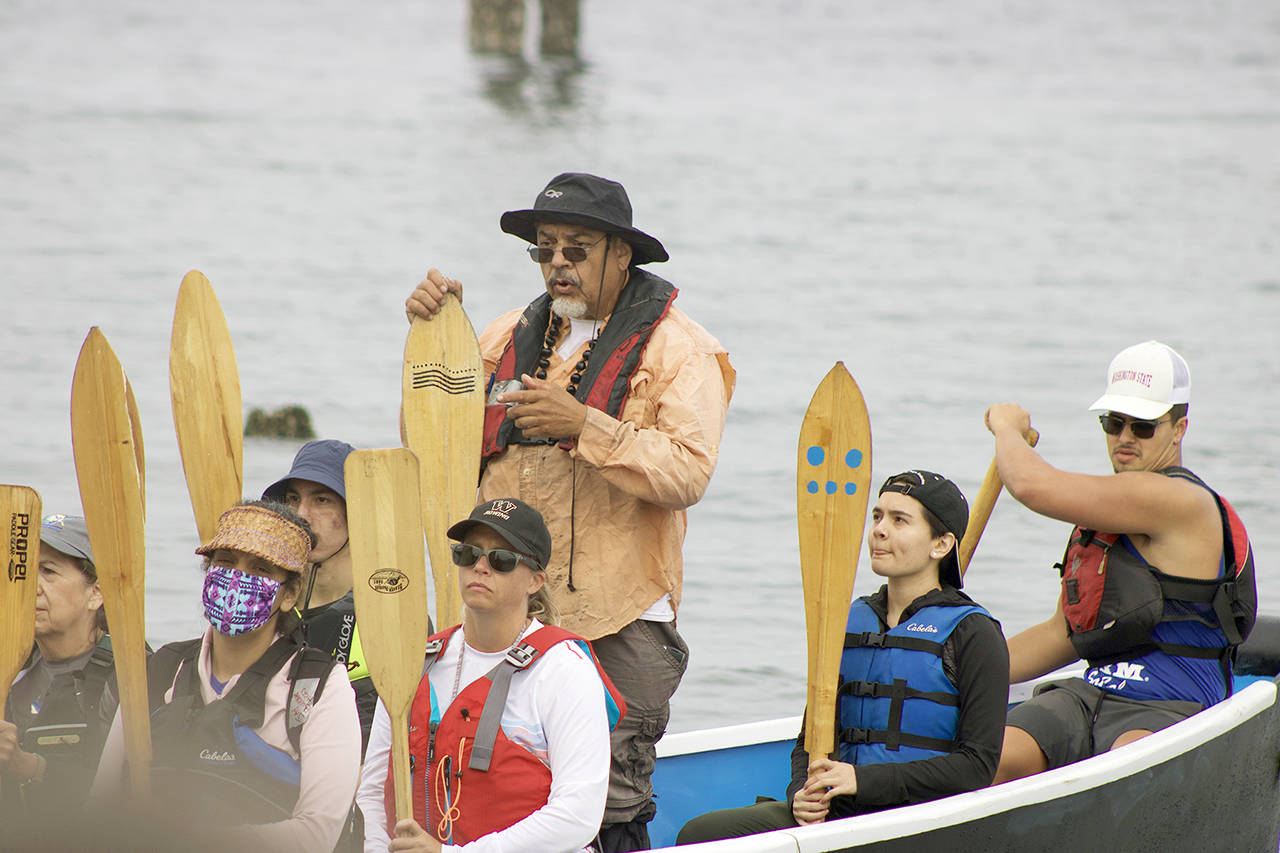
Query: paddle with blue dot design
{"points": [[833, 477]]}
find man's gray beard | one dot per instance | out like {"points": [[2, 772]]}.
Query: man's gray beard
{"points": [[570, 309]]}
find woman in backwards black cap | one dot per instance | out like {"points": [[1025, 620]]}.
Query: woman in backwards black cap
{"points": [[924, 679]]}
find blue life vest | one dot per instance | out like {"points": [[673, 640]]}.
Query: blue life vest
{"points": [[895, 702]]}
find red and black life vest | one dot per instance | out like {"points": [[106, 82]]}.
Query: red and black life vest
{"points": [[1113, 599], [466, 760], [607, 380]]}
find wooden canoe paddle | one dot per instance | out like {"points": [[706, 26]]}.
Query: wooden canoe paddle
{"points": [[982, 506], [107, 467], [390, 585], [833, 477], [204, 384], [442, 394], [20, 556]]}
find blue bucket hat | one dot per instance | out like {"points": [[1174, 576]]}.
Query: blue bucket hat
{"points": [[320, 462]]}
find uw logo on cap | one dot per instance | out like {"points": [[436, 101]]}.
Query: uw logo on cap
{"points": [[502, 508], [553, 193]]}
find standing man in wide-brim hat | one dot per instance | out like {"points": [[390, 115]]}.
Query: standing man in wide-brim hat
{"points": [[606, 407]]}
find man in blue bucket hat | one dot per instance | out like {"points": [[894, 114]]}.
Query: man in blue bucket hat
{"points": [[606, 406], [316, 489]]}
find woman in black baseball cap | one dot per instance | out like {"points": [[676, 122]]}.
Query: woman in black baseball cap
{"points": [[923, 680], [509, 730]]}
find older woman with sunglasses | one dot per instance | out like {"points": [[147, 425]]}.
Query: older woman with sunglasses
{"points": [[1157, 579], [509, 730]]}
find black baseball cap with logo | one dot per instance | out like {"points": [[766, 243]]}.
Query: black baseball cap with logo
{"points": [[515, 521]]}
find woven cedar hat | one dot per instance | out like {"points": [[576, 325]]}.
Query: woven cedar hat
{"points": [[582, 199], [263, 533]]}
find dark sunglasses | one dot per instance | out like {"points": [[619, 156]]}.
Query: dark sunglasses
{"points": [[500, 559], [1113, 424], [572, 254]]}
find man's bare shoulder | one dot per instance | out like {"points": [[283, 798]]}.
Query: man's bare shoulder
{"points": [[1184, 528]]}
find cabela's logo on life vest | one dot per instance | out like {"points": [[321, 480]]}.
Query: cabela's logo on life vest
{"points": [[214, 755], [389, 581], [923, 629]]}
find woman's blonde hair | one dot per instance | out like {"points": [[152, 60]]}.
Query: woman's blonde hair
{"points": [[542, 607]]}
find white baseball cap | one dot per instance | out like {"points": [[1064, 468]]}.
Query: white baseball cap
{"points": [[1145, 381]]}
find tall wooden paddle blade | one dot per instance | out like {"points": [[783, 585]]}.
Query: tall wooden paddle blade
{"points": [[205, 386], [980, 512], [102, 436], [442, 392], [19, 555], [390, 585], [833, 476]]}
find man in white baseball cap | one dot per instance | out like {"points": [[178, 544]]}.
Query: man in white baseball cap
{"points": [[1145, 381], [1156, 605]]}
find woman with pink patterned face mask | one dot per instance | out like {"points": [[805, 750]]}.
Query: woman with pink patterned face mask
{"points": [[252, 737]]}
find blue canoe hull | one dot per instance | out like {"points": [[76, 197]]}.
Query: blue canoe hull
{"points": [[1210, 783]]}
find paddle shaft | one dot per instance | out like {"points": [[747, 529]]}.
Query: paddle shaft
{"points": [[983, 504], [19, 550]]}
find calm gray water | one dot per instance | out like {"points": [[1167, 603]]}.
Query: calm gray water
{"points": [[965, 202]]}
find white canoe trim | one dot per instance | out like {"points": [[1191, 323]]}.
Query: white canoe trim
{"points": [[912, 820]]}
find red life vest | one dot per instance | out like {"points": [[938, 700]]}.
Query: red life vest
{"points": [[1112, 599], [488, 782], [605, 383]]}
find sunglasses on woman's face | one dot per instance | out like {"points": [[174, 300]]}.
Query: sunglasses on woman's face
{"points": [[1113, 424], [500, 559]]}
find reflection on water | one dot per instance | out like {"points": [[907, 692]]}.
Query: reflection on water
{"points": [[523, 88]]}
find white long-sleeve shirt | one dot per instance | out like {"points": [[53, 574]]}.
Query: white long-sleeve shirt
{"points": [[556, 710]]}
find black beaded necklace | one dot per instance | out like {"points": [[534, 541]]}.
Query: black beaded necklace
{"points": [[548, 346]]}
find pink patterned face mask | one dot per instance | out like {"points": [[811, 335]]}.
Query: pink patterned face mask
{"points": [[236, 603]]}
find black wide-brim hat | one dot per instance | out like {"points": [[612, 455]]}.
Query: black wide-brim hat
{"points": [[582, 199]]}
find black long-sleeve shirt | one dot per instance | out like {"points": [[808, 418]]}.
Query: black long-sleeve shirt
{"points": [[976, 660]]}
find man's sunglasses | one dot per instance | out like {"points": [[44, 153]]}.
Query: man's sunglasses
{"points": [[1113, 424], [572, 254], [500, 559]]}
